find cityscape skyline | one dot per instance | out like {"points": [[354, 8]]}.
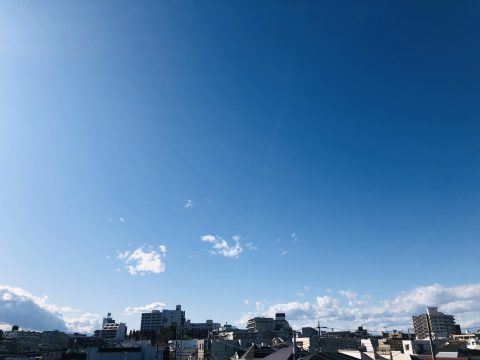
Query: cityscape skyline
{"points": [[28, 310], [314, 159]]}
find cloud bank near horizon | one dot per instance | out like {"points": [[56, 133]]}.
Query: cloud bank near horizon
{"points": [[347, 310], [22, 308], [343, 309]]}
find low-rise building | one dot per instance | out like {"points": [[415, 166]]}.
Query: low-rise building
{"points": [[217, 349], [200, 330], [265, 329], [308, 332], [471, 340], [54, 340], [183, 349]]}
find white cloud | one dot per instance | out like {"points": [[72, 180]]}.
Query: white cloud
{"points": [[140, 262], [20, 307], [145, 308], [78, 320], [284, 252], [250, 246], [294, 309], [350, 295], [350, 310], [222, 247], [260, 305], [189, 204], [5, 327], [294, 238], [244, 318], [122, 220]]}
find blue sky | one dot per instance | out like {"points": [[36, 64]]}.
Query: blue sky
{"points": [[333, 147]]}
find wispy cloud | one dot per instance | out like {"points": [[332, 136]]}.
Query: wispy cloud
{"points": [[260, 305], [145, 308], [289, 242], [349, 310], [222, 247], [189, 204], [249, 245], [122, 219], [301, 292], [140, 262], [294, 238], [209, 201]]}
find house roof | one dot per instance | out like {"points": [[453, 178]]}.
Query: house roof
{"points": [[282, 354], [328, 356]]}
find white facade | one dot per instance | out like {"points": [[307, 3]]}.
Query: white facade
{"points": [[303, 342], [111, 330], [157, 319]]}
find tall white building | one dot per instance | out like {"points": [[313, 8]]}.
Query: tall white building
{"points": [[157, 320]]}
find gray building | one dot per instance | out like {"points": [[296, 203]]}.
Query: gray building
{"points": [[442, 325], [261, 324], [158, 320], [200, 330], [268, 328], [143, 352], [309, 332], [217, 349]]}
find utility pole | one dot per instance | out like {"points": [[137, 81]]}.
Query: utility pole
{"points": [[294, 345], [319, 347], [430, 336], [156, 345]]}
